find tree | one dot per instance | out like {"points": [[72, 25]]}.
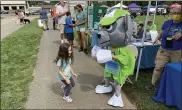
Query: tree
{"points": [[33, 3], [54, 2]]}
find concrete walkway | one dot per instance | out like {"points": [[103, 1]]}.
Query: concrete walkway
{"points": [[45, 90], [8, 24]]}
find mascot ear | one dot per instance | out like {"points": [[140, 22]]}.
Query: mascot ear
{"points": [[125, 22]]}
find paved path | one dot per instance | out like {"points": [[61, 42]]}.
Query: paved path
{"points": [[45, 90], [8, 24]]}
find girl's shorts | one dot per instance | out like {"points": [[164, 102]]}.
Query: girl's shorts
{"points": [[80, 29]]}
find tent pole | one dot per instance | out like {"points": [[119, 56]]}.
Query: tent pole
{"points": [[141, 50], [155, 12], [121, 4]]}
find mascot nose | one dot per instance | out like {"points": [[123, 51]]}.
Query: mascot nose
{"points": [[99, 35]]}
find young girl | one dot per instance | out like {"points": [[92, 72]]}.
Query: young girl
{"points": [[65, 72]]}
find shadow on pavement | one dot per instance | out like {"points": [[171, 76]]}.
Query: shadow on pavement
{"points": [[56, 88], [88, 82], [57, 42]]}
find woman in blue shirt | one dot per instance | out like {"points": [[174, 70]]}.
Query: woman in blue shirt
{"points": [[80, 23], [171, 45]]}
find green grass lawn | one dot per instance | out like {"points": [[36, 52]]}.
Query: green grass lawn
{"points": [[18, 59], [139, 96], [159, 20]]}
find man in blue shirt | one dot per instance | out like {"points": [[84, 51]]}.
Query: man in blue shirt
{"points": [[44, 18], [171, 45], [69, 28]]}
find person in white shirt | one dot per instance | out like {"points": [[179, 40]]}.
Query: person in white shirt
{"points": [[61, 11], [21, 16]]}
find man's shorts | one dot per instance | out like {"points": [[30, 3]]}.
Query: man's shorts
{"points": [[80, 29], [166, 56], [44, 21], [61, 28], [70, 36]]}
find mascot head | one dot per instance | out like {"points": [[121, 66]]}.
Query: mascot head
{"points": [[116, 29]]}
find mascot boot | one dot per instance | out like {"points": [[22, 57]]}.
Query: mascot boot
{"points": [[116, 100], [101, 89], [116, 33]]}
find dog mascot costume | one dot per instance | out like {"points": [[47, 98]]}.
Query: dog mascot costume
{"points": [[116, 33]]}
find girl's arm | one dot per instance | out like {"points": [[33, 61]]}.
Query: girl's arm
{"points": [[62, 75], [85, 20], [72, 72]]}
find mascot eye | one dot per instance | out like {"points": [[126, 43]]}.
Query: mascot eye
{"points": [[109, 28]]}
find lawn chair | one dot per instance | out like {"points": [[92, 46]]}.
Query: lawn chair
{"points": [[134, 50]]}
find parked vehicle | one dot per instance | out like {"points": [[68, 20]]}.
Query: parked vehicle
{"points": [[27, 12], [16, 12], [4, 12], [34, 12]]}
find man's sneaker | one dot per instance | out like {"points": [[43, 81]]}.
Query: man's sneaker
{"points": [[85, 51], [67, 98], [150, 87], [81, 49]]}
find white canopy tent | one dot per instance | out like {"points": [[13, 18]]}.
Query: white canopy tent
{"points": [[120, 5]]}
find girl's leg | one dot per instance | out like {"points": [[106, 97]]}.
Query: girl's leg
{"points": [[72, 82], [80, 41], [67, 88], [83, 39], [83, 42]]}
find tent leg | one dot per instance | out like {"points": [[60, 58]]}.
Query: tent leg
{"points": [[138, 66], [139, 60]]}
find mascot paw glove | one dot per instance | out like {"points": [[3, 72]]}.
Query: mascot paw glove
{"points": [[104, 56], [94, 51]]}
